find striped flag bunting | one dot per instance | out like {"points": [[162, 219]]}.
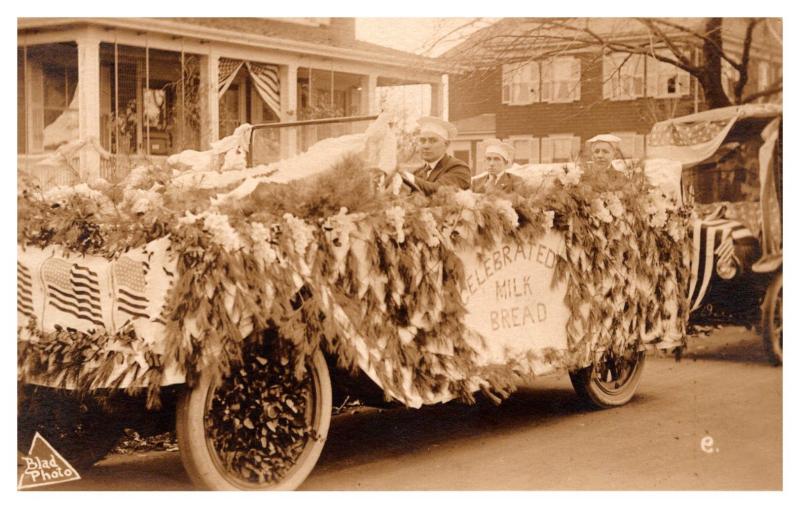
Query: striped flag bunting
{"points": [[129, 277], [24, 291], [712, 243], [73, 289]]}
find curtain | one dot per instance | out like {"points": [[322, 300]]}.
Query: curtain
{"points": [[228, 69], [265, 78]]}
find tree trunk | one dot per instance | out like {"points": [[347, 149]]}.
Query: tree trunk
{"points": [[711, 78]]}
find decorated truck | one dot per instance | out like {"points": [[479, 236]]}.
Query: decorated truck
{"points": [[732, 175], [235, 300]]}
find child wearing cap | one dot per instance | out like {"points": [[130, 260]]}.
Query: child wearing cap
{"points": [[603, 149], [499, 157]]}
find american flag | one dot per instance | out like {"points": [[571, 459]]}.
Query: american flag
{"points": [[712, 240], [73, 289], [24, 295], [265, 77], [227, 68], [684, 134], [131, 286]]}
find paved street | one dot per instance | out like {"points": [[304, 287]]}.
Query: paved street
{"points": [[723, 390]]}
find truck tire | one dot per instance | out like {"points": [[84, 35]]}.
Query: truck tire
{"points": [[772, 321], [213, 460], [610, 382]]}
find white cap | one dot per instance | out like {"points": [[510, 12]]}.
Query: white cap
{"points": [[497, 147], [607, 138], [431, 124]]}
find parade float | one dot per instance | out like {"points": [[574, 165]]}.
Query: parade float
{"points": [[238, 291]]}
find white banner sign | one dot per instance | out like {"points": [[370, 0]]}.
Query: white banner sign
{"points": [[511, 299]]}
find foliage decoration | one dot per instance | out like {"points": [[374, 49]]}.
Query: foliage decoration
{"points": [[365, 275]]}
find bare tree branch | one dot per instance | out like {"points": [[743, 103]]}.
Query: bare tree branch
{"points": [[774, 89], [522, 40]]}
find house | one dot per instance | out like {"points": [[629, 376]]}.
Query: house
{"points": [[126, 90], [549, 96]]}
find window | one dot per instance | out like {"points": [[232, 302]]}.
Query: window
{"points": [[526, 149], [49, 88], [664, 79], [623, 76], [561, 80], [520, 83], [462, 149], [632, 144], [560, 148], [229, 111]]}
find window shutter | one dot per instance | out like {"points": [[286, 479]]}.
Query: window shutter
{"points": [[575, 81], [652, 76], [638, 76], [535, 151], [638, 146], [609, 65], [683, 82], [35, 122], [506, 86], [523, 85], [480, 155], [522, 150], [576, 147], [547, 150], [534, 84], [547, 81]]}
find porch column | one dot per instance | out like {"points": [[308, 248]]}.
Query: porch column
{"points": [[89, 104], [209, 100], [288, 82], [369, 102], [437, 100]]}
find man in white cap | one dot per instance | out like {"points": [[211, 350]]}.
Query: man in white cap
{"points": [[499, 157], [440, 169], [604, 148]]}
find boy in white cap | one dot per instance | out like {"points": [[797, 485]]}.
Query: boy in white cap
{"points": [[499, 157], [440, 169], [603, 149]]}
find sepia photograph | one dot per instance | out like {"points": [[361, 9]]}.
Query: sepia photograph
{"points": [[399, 253]]}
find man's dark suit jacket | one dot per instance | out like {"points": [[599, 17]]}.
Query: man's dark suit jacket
{"points": [[507, 182], [448, 171]]}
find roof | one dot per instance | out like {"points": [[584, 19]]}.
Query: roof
{"points": [[336, 38], [340, 32]]}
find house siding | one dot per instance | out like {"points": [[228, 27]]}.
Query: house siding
{"points": [[590, 115]]}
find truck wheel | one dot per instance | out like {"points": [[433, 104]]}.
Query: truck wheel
{"points": [[79, 429], [772, 321], [258, 428], [610, 382]]}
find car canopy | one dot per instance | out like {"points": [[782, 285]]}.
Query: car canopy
{"points": [[695, 138]]}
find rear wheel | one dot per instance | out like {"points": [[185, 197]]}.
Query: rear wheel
{"points": [[611, 381], [259, 428], [772, 321]]}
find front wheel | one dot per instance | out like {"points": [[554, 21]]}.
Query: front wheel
{"points": [[259, 428], [772, 321], [611, 381]]}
